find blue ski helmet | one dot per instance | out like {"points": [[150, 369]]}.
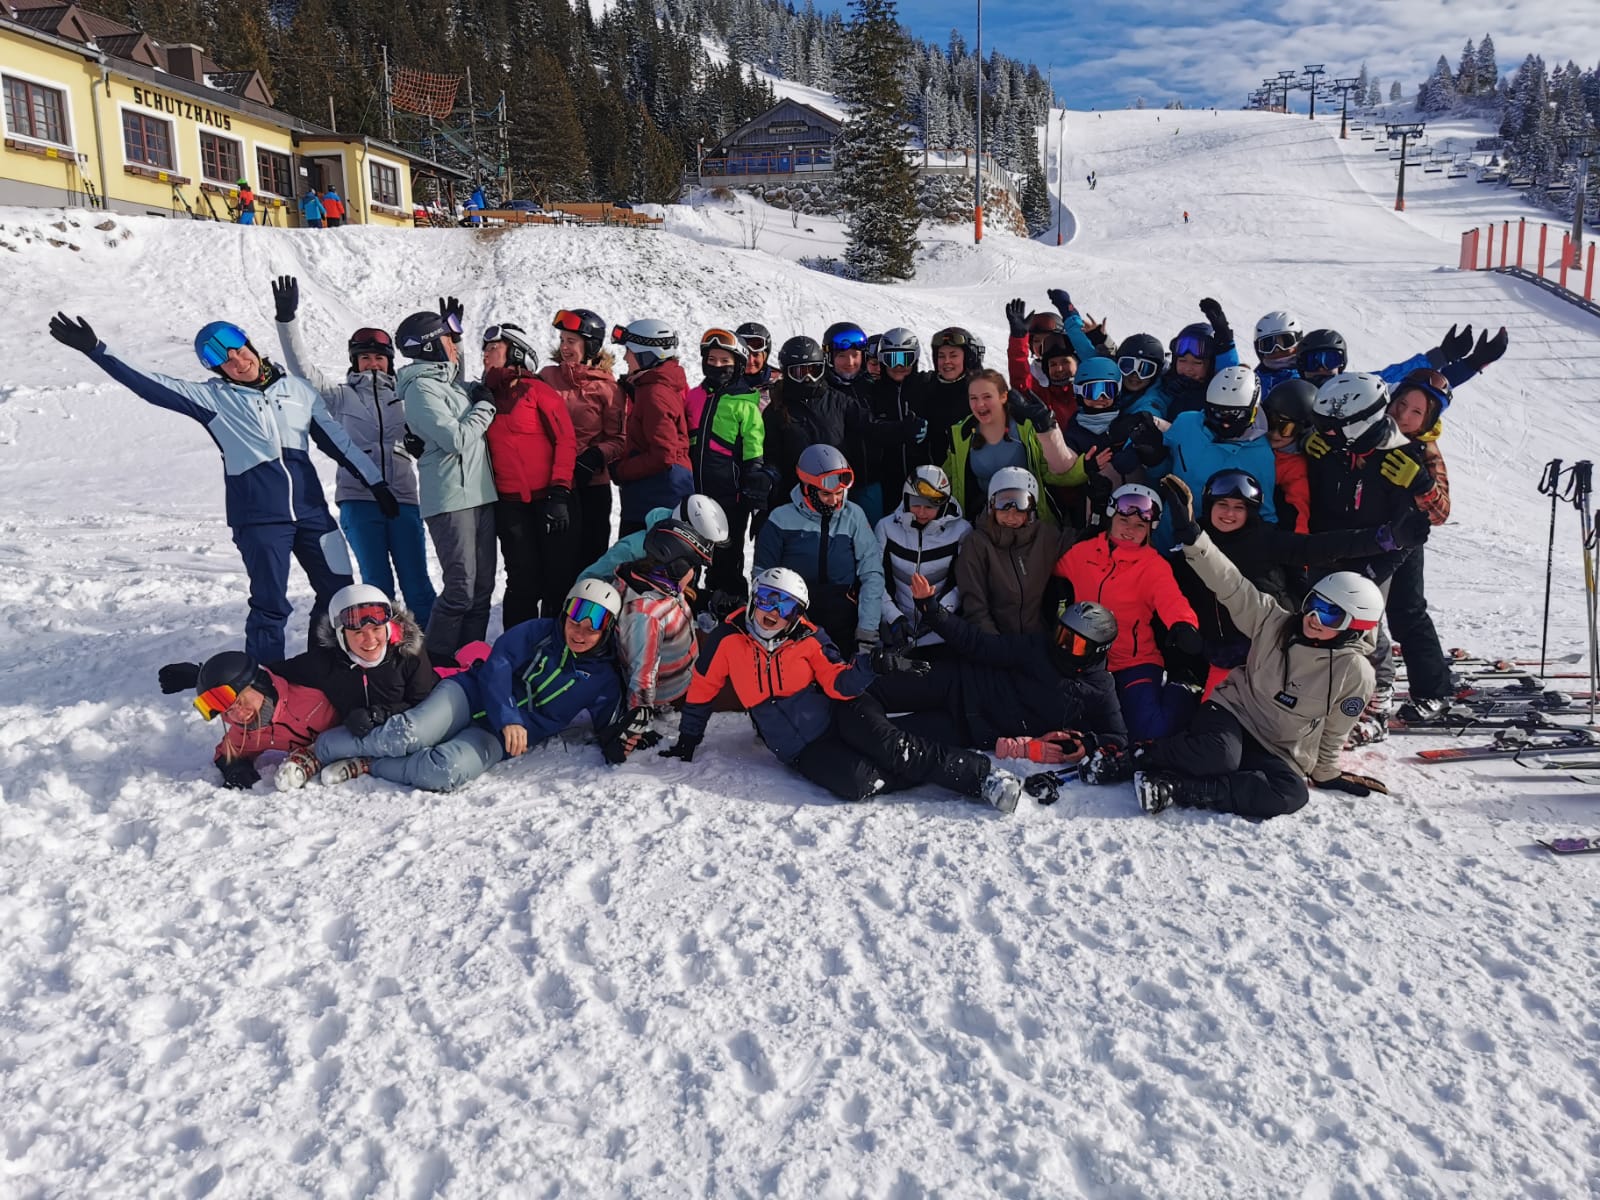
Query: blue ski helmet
{"points": [[212, 343]]}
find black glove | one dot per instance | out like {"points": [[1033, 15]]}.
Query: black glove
{"points": [[1097, 338], [589, 464], [412, 444], [1062, 301], [362, 721], [1022, 406], [683, 748], [1409, 529], [1488, 350], [1219, 324], [479, 393], [178, 677], [755, 486], [451, 310], [238, 773], [1017, 318], [74, 333], [1182, 509], [892, 662], [388, 504], [1145, 436], [632, 727], [722, 604], [1453, 346], [913, 431], [648, 740], [1356, 785], [286, 297], [1185, 639], [899, 634], [557, 515]]}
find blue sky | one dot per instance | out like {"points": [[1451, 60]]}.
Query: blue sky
{"points": [[1213, 53]]}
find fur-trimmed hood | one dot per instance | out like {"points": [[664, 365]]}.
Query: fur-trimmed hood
{"points": [[410, 645]]}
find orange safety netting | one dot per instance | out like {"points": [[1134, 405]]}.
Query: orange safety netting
{"points": [[420, 92]]}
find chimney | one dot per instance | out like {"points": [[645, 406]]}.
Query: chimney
{"points": [[187, 61]]}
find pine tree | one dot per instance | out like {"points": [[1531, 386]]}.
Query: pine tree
{"points": [[1375, 94], [1363, 85], [549, 153], [1486, 71], [1438, 94], [1467, 72], [1396, 92], [1036, 202], [877, 180]]}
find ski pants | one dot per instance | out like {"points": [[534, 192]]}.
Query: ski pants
{"points": [[929, 706], [1246, 777], [433, 746], [593, 519], [464, 542], [727, 573], [378, 541], [315, 543], [1427, 671], [540, 566], [864, 754], [1152, 706]]}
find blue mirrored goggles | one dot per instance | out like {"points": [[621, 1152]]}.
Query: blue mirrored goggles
{"points": [[214, 347], [588, 612], [1237, 485], [1097, 389], [1325, 359], [1130, 364], [847, 339], [898, 358], [770, 599], [1329, 614], [1196, 347]]}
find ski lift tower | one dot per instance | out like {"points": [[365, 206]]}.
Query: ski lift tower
{"points": [[1344, 87], [1405, 131], [1312, 71]]}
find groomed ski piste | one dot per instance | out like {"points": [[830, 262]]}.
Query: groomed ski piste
{"points": [[710, 979]]}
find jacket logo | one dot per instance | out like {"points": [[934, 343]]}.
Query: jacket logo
{"points": [[1353, 707], [1285, 699]]}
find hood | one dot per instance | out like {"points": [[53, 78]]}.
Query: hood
{"points": [[669, 374], [360, 380], [1008, 538], [444, 372], [410, 636], [576, 373]]}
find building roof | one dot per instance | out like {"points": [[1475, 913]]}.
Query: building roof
{"points": [[831, 124]]}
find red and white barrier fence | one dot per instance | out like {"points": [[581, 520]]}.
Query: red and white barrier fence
{"points": [[1478, 254]]}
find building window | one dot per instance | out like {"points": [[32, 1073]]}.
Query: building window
{"points": [[385, 185], [35, 111], [219, 158], [272, 171], [147, 141]]}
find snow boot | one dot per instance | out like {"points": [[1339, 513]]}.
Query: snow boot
{"points": [[342, 769], [1380, 702], [1112, 764], [296, 770], [1422, 711], [1367, 730], [1001, 789], [1160, 790]]}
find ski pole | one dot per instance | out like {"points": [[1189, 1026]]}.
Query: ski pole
{"points": [[1549, 484], [1582, 493]]}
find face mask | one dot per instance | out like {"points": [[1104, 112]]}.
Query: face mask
{"points": [[718, 378]]}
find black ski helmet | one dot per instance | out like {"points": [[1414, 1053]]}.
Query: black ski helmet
{"points": [[1230, 483], [370, 340], [969, 343], [759, 333], [422, 335], [843, 335], [1145, 346], [585, 324], [801, 351], [677, 546], [1291, 401], [1084, 634], [231, 669], [1322, 339]]}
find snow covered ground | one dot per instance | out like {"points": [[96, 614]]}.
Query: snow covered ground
{"points": [[709, 980]]}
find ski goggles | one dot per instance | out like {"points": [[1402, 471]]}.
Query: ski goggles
{"points": [[375, 340], [721, 339], [1044, 323], [1431, 382], [757, 343], [588, 612], [898, 358], [834, 481], [770, 599], [213, 702], [1134, 505], [1326, 358], [1277, 343], [361, 616], [452, 322], [1329, 615], [804, 372], [921, 489], [1234, 485], [1075, 644], [1130, 364], [1192, 345], [951, 337], [213, 351], [568, 321], [1097, 389], [847, 339], [504, 333], [1012, 500], [1282, 425], [621, 336]]}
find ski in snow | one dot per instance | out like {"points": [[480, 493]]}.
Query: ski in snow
{"points": [[1571, 741], [1572, 845]]}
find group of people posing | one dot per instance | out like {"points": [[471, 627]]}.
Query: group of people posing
{"points": [[1130, 559]]}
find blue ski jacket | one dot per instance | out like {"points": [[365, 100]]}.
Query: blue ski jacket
{"points": [[264, 434], [792, 537], [531, 678]]}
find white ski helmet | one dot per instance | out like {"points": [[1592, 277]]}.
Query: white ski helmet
{"points": [[1348, 406], [1356, 596], [1278, 336], [360, 603], [785, 582], [1234, 387], [930, 485], [652, 342], [1014, 479], [1150, 500], [596, 591], [705, 516]]}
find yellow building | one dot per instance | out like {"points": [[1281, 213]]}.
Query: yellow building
{"points": [[98, 114]]}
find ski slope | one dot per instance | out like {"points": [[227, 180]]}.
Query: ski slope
{"points": [[708, 979]]}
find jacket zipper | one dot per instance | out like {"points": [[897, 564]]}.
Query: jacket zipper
{"points": [[383, 447], [288, 476]]}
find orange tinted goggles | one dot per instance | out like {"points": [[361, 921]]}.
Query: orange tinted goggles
{"points": [[213, 702]]}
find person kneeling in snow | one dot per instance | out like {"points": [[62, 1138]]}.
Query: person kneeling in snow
{"points": [[1282, 716], [538, 678], [260, 710], [810, 706]]}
